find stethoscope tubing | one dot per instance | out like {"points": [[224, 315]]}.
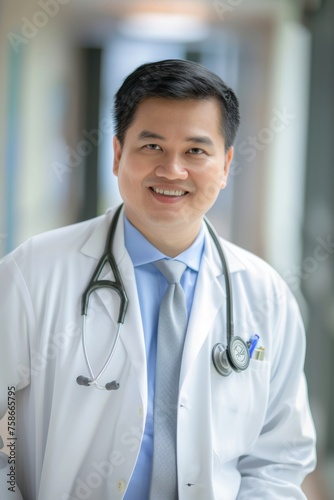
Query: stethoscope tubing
{"points": [[228, 285], [93, 380], [117, 285], [96, 284]]}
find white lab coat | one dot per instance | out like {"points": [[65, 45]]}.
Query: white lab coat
{"points": [[247, 436]]}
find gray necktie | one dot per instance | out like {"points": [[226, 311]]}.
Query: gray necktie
{"points": [[171, 333]]}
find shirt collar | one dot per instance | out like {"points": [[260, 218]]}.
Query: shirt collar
{"points": [[143, 252]]}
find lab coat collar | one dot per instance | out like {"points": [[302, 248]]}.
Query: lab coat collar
{"points": [[234, 263], [94, 245]]}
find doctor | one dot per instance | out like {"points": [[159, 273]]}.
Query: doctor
{"points": [[248, 435]]}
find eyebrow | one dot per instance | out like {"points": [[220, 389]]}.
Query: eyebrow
{"points": [[147, 134], [199, 139]]}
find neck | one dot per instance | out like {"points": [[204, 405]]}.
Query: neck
{"points": [[173, 245], [170, 240]]}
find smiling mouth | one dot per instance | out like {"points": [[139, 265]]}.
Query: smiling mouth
{"points": [[168, 192]]}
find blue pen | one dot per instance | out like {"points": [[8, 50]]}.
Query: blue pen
{"points": [[252, 343]]}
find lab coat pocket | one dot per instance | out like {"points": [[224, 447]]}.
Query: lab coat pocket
{"points": [[256, 364], [239, 405]]}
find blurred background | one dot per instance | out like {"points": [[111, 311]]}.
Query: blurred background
{"points": [[61, 62]]}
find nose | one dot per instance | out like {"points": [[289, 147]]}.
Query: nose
{"points": [[171, 168]]}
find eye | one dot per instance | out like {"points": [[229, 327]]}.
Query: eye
{"points": [[152, 147], [196, 151]]}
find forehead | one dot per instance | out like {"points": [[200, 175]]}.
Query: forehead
{"points": [[163, 113]]}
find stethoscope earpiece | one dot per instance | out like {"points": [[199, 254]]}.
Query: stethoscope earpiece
{"points": [[110, 386], [81, 380]]}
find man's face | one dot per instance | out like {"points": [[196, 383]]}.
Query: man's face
{"points": [[172, 165]]}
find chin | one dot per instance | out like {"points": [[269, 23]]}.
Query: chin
{"points": [[170, 219]]}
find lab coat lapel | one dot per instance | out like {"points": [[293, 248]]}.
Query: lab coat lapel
{"points": [[132, 335], [94, 247], [209, 298]]}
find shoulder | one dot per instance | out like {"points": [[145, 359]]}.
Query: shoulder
{"points": [[255, 274], [60, 246], [247, 260], [58, 241]]}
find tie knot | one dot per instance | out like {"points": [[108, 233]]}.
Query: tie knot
{"points": [[171, 269]]}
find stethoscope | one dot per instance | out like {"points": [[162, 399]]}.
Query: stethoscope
{"points": [[234, 356]]}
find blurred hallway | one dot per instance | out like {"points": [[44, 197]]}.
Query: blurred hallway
{"points": [[61, 62]]}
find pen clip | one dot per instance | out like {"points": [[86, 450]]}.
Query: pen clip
{"points": [[252, 343]]}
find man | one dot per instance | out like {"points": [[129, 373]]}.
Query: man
{"points": [[246, 435]]}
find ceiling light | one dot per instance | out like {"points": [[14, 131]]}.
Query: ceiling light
{"points": [[164, 26]]}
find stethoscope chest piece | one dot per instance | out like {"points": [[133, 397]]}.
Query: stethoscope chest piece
{"points": [[238, 354], [235, 357], [219, 358]]}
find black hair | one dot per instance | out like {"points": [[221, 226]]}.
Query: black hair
{"points": [[175, 79]]}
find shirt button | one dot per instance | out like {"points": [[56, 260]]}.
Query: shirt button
{"points": [[121, 485]]}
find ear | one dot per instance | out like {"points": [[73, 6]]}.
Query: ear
{"points": [[117, 154], [228, 160]]}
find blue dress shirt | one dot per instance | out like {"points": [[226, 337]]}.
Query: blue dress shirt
{"points": [[151, 286]]}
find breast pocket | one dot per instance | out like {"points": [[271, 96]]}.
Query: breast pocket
{"points": [[239, 404]]}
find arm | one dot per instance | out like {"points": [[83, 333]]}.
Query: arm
{"points": [[285, 450], [16, 320]]}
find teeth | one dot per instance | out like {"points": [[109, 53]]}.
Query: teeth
{"points": [[168, 192]]}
